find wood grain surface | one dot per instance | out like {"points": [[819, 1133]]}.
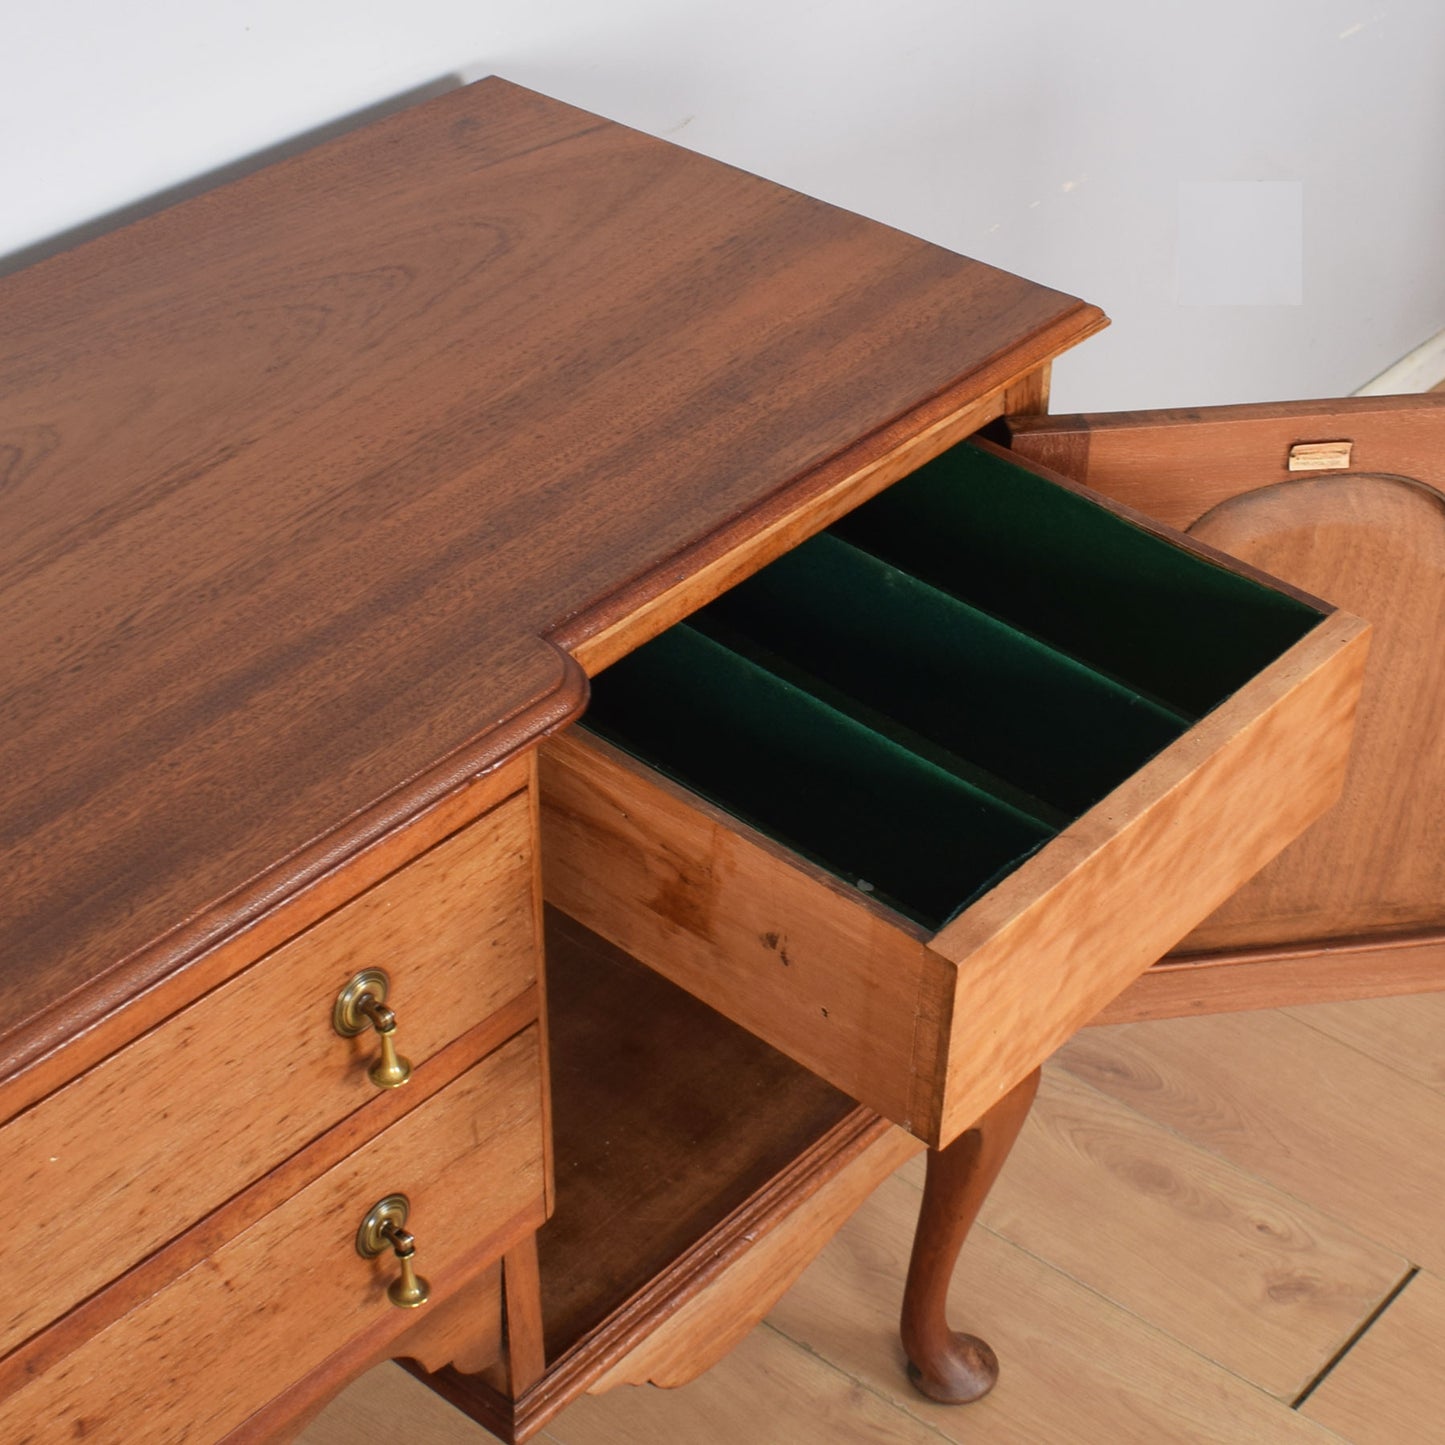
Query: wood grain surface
{"points": [[1177, 464], [714, 1321], [1373, 541], [1076, 1368], [1376, 546], [931, 1035], [1276, 976], [1042, 953], [299, 476], [223, 1092], [273, 1303], [817, 969], [1163, 1211], [1225, 1084], [1390, 1389], [667, 1118]]}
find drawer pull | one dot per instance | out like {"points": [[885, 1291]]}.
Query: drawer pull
{"points": [[383, 1229], [361, 1005]]}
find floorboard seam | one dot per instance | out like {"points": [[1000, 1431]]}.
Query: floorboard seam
{"points": [[1374, 1058], [1364, 1328]]}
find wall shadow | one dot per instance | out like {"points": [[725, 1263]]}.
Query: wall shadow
{"points": [[137, 210]]}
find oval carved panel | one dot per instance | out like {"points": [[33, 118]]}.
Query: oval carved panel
{"points": [[1375, 546]]}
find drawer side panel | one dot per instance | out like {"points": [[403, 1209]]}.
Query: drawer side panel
{"points": [[737, 922], [1054, 943]]}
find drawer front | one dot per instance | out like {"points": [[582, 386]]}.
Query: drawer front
{"points": [[916, 861], [222, 1092], [198, 1357]]}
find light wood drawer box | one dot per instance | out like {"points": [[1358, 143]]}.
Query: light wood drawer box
{"points": [[273, 1303], [220, 1093], [920, 798]]}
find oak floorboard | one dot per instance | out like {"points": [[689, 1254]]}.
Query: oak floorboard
{"points": [[1406, 1034], [1314, 1117], [1390, 1389], [768, 1390], [1229, 1265], [1074, 1366], [387, 1406]]}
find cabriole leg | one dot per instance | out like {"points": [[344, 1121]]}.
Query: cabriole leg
{"points": [[946, 1366]]}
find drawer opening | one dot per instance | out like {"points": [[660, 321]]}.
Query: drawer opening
{"points": [[922, 697], [859, 803], [1059, 565]]}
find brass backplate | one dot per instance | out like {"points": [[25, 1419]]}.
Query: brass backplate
{"points": [[393, 1210], [346, 1017]]}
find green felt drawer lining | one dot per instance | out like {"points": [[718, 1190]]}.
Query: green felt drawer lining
{"points": [[920, 699], [828, 786], [947, 672], [1171, 624]]}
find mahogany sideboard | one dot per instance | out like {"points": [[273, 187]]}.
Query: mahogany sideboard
{"points": [[325, 496]]}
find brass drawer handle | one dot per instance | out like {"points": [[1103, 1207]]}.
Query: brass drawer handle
{"points": [[383, 1229], [362, 1005]]}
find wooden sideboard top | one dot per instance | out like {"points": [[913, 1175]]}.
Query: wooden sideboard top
{"points": [[308, 485]]}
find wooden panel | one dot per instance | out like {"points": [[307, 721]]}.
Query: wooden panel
{"points": [[1054, 942], [1177, 465], [1372, 541], [299, 473], [275, 1301], [771, 942], [218, 1095], [1376, 546], [668, 1118], [48, 1053], [701, 1272], [711, 1323], [931, 1037], [1390, 1388], [1227, 982]]}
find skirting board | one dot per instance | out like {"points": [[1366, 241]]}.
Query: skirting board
{"points": [[1422, 370]]}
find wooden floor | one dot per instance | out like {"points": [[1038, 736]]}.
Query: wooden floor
{"points": [[1228, 1230]]}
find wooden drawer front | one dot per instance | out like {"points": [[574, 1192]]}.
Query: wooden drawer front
{"points": [[202, 1354], [220, 1093], [921, 798]]}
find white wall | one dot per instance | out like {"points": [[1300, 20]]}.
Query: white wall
{"points": [[1051, 137]]}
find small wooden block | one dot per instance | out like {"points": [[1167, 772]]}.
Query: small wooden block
{"points": [[1320, 456]]}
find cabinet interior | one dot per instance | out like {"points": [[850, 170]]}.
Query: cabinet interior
{"points": [[925, 694], [666, 1118]]}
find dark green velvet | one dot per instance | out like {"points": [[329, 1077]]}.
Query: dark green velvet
{"points": [[922, 661], [1058, 565], [827, 786], [921, 706]]}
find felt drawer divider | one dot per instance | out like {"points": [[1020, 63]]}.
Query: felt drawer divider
{"points": [[1057, 564], [825, 784], [881, 722], [929, 669]]}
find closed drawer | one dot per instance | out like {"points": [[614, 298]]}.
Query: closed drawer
{"points": [[269, 1306], [160, 1133], [917, 800]]}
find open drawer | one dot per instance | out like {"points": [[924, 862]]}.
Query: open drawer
{"points": [[918, 799]]}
